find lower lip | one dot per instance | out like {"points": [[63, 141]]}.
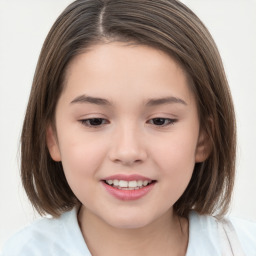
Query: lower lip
{"points": [[126, 195]]}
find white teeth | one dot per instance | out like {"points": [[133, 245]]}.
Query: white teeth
{"points": [[128, 185], [145, 183], [123, 184], [139, 183], [133, 184]]}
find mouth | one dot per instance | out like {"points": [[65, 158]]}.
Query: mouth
{"points": [[128, 185]]}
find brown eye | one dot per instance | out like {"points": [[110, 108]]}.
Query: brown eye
{"points": [[93, 122], [159, 121]]}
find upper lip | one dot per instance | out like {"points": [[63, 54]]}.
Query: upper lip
{"points": [[127, 177]]}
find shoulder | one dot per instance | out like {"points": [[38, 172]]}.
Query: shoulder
{"points": [[205, 236], [48, 236], [246, 232], [33, 237]]}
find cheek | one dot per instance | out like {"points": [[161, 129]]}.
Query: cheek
{"points": [[176, 167], [176, 152], [175, 158], [81, 159]]}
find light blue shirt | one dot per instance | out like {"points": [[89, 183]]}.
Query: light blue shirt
{"points": [[62, 236]]}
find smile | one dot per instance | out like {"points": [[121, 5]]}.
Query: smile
{"points": [[128, 185]]}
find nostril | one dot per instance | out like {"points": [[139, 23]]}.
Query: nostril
{"points": [[128, 162], [126, 147], [127, 157]]}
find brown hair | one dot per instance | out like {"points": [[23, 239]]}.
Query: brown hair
{"points": [[164, 24]]}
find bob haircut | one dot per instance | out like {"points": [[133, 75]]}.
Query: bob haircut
{"points": [[167, 25]]}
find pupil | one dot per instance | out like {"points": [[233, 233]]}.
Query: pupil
{"points": [[96, 121], [159, 121]]}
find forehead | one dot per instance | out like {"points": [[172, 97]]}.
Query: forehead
{"points": [[129, 56], [135, 69]]}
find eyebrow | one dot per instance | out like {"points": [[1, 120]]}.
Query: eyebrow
{"points": [[149, 103], [165, 100], [89, 99]]}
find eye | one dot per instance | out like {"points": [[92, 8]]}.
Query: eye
{"points": [[94, 122], [159, 121]]}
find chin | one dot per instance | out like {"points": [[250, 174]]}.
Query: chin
{"points": [[128, 224], [128, 221]]}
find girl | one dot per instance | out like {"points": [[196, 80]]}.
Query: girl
{"points": [[129, 138]]}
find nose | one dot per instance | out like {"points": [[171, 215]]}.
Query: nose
{"points": [[127, 146]]}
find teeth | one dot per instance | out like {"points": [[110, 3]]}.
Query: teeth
{"points": [[145, 183], [123, 184], [133, 184], [128, 185], [110, 182], [140, 183]]}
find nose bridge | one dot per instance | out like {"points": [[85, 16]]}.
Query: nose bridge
{"points": [[127, 145]]}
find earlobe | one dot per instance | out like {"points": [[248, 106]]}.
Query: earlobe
{"points": [[203, 149], [52, 144]]}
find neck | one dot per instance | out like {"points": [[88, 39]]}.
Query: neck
{"points": [[168, 235]]}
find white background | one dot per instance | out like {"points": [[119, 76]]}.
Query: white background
{"points": [[23, 28]]}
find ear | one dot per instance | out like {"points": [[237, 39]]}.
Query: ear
{"points": [[52, 144], [203, 148]]}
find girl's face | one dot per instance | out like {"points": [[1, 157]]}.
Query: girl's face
{"points": [[127, 116]]}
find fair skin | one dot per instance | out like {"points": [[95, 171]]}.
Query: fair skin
{"points": [[130, 131]]}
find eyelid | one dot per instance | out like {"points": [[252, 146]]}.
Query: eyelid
{"points": [[84, 120], [171, 121]]}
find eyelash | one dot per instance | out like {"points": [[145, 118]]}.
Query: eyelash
{"points": [[168, 120], [87, 122]]}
